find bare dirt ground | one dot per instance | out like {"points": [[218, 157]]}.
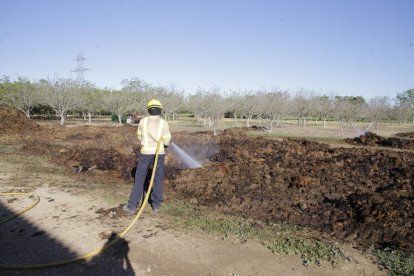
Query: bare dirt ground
{"points": [[356, 197]]}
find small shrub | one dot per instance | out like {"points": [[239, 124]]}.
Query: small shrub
{"points": [[396, 262]]}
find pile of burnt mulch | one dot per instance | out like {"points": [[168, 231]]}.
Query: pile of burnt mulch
{"points": [[101, 159], [88, 148], [359, 195], [13, 121], [372, 140]]}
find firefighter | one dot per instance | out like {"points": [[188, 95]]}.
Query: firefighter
{"points": [[150, 130]]}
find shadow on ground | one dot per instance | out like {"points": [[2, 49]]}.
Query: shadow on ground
{"points": [[24, 243]]}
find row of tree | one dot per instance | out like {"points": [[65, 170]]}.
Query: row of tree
{"points": [[274, 105], [64, 96]]}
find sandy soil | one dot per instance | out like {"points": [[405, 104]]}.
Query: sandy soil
{"points": [[66, 224]]}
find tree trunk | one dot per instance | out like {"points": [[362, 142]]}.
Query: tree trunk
{"points": [[260, 119], [214, 129], [342, 128], [249, 117], [89, 117], [28, 113], [210, 123], [120, 120], [62, 119], [324, 123]]}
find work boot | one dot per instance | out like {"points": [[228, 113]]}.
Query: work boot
{"points": [[127, 210], [155, 210]]}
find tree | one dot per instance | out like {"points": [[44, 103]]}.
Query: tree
{"points": [[5, 86], [61, 95], [378, 109], [135, 85], [214, 107], [119, 102], [250, 106], [324, 107], [275, 106], [402, 112], [91, 100], [302, 106], [138, 92], [235, 105], [349, 109], [195, 104], [209, 106], [406, 101], [21, 94]]}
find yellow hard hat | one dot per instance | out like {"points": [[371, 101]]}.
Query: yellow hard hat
{"points": [[154, 104]]}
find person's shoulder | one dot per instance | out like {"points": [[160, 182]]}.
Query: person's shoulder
{"points": [[143, 120]]}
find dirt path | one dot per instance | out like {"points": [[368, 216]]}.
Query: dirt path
{"points": [[66, 224]]}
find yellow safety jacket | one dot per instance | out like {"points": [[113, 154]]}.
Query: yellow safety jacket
{"points": [[150, 130]]}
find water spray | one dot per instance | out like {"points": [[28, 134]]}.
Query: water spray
{"points": [[188, 161], [360, 131]]}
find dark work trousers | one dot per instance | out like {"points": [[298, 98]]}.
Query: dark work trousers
{"points": [[145, 162]]}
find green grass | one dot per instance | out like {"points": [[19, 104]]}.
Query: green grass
{"points": [[396, 262], [311, 251], [279, 238]]}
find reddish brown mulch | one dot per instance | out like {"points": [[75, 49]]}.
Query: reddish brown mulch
{"points": [[361, 195], [13, 121]]}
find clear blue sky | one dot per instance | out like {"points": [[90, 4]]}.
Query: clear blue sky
{"points": [[353, 47]]}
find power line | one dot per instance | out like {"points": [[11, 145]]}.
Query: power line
{"points": [[80, 68]]}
